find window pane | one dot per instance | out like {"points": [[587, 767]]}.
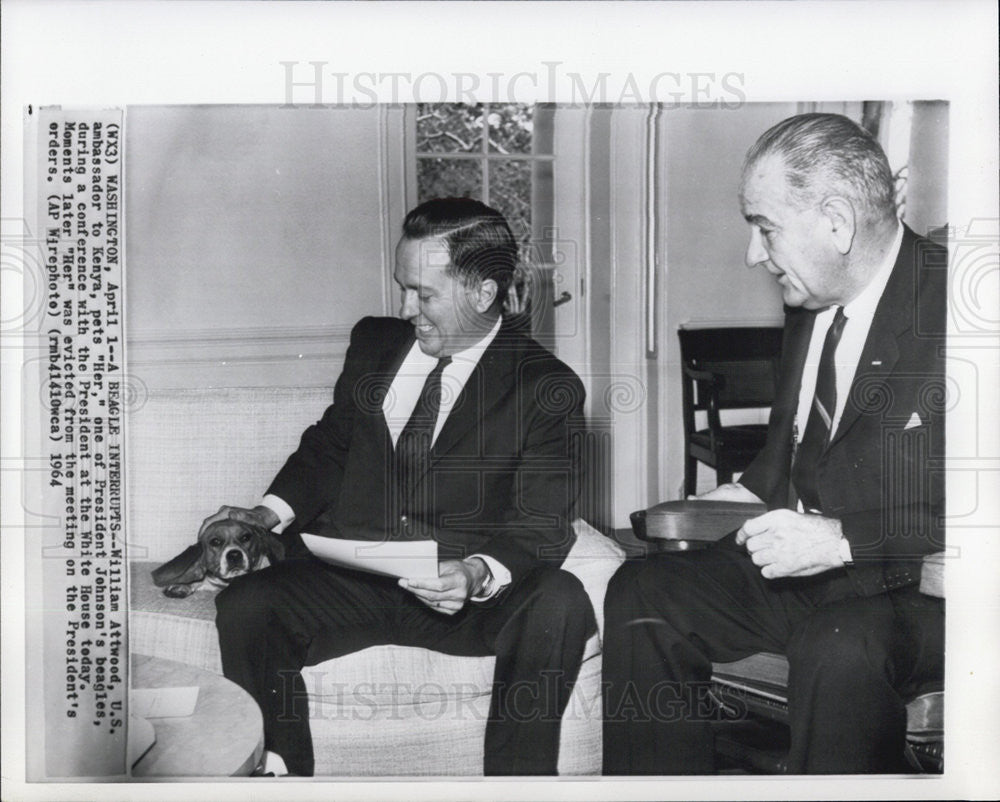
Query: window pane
{"points": [[510, 193], [510, 128], [449, 128], [449, 178]]}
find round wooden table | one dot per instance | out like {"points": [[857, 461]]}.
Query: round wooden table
{"points": [[224, 737]]}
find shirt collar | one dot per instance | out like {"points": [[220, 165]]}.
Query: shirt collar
{"points": [[471, 355], [866, 301], [475, 352]]}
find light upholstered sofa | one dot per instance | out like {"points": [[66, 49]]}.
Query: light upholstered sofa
{"points": [[384, 711]]}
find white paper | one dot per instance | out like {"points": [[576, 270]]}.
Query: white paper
{"points": [[409, 559], [163, 702]]}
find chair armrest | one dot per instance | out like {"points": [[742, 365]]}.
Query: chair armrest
{"points": [[681, 525]]}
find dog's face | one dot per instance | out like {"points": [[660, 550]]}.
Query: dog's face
{"points": [[231, 549], [225, 550]]}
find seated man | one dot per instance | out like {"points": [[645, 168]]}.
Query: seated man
{"points": [[851, 474], [447, 425]]}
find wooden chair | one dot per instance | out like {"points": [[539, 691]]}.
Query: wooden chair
{"points": [[759, 743], [725, 368], [758, 685], [751, 694]]}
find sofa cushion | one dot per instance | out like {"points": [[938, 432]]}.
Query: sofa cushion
{"points": [[191, 450], [593, 559], [430, 706]]}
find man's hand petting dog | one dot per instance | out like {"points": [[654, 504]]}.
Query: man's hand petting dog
{"points": [[228, 546], [457, 581], [261, 516]]}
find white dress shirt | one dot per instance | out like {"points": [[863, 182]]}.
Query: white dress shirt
{"points": [[397, 407], [859, 312], [404, 392]]}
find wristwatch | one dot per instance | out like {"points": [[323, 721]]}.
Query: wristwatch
{"points": [[486, 587]]}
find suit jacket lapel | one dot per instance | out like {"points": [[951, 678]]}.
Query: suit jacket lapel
{"points": [[799, 325], [893, 318], [489, 382], [381, 380], [795, 346]]}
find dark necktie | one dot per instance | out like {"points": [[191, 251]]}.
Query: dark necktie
{"points": [[824, 406], [413, 447]]}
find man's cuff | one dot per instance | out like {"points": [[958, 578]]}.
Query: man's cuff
{"points": [[278, 506], [500, 578]]}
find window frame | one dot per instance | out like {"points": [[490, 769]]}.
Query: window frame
{"points": [[542, 202]]}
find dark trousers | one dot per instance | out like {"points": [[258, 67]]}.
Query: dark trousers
{"points": [[301, 612], [669, 616]]}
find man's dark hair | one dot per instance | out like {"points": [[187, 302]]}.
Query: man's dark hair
{"points": [[480, 243], [825, 154]]}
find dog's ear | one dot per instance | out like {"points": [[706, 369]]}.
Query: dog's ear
{"points": [[265, 544], [273, 547], [185, 568]]}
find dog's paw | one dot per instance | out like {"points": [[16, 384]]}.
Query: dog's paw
{"points": [[178, 591]]}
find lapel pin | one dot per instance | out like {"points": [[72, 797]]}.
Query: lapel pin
{"points": [[876, 363]]}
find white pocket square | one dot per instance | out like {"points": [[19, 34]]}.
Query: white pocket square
{"points": [[913, 422]]}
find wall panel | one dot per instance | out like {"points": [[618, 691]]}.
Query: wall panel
{"points": [[255, 239]]}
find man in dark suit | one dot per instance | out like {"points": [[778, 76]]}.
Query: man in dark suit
{"points": [[852, 475], [447, 425]]}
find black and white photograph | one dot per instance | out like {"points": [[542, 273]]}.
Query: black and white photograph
{"points": [[411, 417]]}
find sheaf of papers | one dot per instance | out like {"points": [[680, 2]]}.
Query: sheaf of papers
{"points": [[409, 559], [163, 702]]}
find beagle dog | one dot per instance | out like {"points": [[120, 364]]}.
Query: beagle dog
{"points": [[225, 550]]}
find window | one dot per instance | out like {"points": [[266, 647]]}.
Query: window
{"points": [[500, 154]]}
